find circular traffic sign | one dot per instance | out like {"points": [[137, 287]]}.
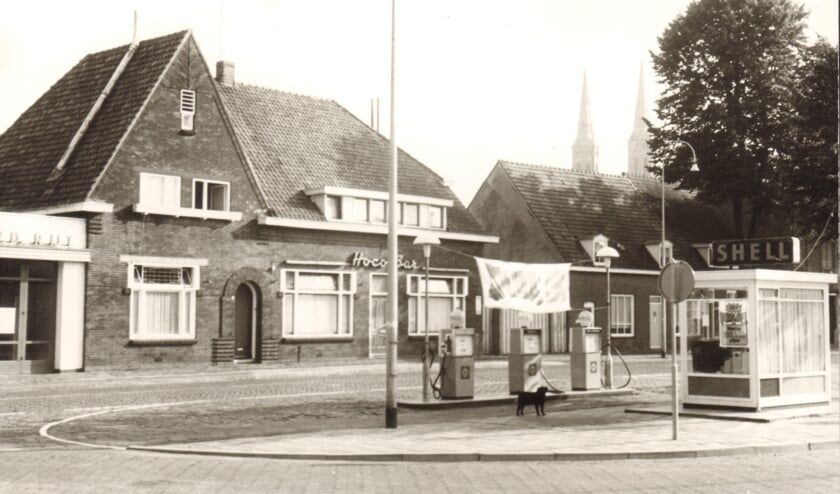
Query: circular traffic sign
{"points": [[676, 281]]}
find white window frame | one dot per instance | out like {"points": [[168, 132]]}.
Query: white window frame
{"points": [[187, 104], [145, 206], [418, 296], [140, 290], [344, 296], [173, 203], [630, 302], [205, 196]]}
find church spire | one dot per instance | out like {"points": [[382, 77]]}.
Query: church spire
{"points": [[584, 150], [637, 148]]}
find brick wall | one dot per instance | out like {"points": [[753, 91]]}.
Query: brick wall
{"points": [[236, 252]]}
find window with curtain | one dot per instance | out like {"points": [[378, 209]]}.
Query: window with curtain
{"points": [[792, 331], [446, 293], [621, 315], [318, 303], [160, 190], [162, 302]]}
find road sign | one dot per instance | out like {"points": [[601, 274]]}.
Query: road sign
{"points": [[676, 281]]}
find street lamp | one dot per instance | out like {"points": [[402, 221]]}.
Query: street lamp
{"points": [[608, 254], [427, 240], [662, 258]]}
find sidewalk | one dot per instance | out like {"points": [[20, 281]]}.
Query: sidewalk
{"points": [[598, 434]]}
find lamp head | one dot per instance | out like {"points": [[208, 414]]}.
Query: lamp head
{"points": [[694, 166], [426, 240], [607, 254]]}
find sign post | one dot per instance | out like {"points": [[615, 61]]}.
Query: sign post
{"points": [[676, 281]]}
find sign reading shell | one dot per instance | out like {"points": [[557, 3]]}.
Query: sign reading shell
{"points": [[755, 251]]}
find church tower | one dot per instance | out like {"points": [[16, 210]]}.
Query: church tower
{"points": [[584, 150], [637, 147]]}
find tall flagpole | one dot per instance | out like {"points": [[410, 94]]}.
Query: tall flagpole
{"points": [[393, 306]]}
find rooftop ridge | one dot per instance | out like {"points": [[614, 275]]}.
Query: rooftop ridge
{"points": [[563, 170], [248, 85]]}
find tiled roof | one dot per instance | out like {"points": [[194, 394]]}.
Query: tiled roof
{"points": [[573, 205], [296, 142], [32, 147]]}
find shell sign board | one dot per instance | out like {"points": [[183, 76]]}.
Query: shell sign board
{"points": [[783, 250]]}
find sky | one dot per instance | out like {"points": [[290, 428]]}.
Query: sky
{"points": [[477, 81]]}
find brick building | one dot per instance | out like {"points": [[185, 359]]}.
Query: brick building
{"points": [[568, 215], [211, 221]]}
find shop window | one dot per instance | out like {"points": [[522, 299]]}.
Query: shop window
{"points": [[318, 304], [162, 302], [446, 293], [621, 315], [160, 190], [791, 330], [211, 195]]}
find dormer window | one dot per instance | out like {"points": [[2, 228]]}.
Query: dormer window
{"points": [[661, 257], [370, 207], [592, 245], [187, 110]]}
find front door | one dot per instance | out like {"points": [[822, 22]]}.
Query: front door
{"points": [[244, 323], [377, 329], [27, 316], [655, 322]]}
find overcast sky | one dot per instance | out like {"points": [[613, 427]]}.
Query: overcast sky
{"points": [[477, 80]]}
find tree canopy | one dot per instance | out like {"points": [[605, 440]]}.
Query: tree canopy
{"points": [[730, 70]]}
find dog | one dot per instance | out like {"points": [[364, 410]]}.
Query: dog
{"points": [[525, 398]]}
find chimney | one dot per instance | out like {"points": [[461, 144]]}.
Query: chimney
{"points": [[224, 72]]}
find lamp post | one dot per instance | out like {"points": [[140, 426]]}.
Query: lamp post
{"points": [[426, 240], [663, 260], [608, 254]]}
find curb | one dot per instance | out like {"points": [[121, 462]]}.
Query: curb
{"points": [[473, 457], [505, 399]]}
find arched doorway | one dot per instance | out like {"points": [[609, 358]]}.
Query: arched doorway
{"points": [[245, 323]]}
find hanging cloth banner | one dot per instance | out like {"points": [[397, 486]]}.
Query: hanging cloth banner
{"points": [[524, 287]]}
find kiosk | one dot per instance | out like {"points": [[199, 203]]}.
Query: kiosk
{"points": [[525, 360], [756, 338], [457, 363]]}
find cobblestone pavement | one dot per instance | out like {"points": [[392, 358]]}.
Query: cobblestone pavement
{"points": [[181, 405], [74, 470]]}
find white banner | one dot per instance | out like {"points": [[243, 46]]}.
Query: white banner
{"points": [[524, 287]]}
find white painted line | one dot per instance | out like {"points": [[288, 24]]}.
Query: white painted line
{"points": [[11, 413]]}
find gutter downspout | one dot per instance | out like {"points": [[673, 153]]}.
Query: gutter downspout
{"points": [[59, 168]]}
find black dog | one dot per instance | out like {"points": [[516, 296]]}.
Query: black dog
{"points": [[525, 398]]}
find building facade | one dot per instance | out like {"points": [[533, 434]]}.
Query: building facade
{"points": [[220, 222], [568, 215]]}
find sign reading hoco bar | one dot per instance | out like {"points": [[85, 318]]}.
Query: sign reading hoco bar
{"points": [[782, 250]]}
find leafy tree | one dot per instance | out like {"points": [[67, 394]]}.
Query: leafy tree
{"points": [[809, 178], [729, 68]]}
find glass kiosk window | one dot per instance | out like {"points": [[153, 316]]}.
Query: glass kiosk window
{"points": [[718, 331]]}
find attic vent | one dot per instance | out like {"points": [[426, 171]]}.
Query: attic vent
{"points": [[187, 110]]}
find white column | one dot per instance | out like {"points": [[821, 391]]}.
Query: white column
{"points": [[70, 316]]}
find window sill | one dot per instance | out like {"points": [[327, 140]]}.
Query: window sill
{"points": [[317, 339], [204, 214], [151, 342]]}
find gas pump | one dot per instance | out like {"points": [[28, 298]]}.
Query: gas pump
{"points": [[525, 360], [585, 353], [457, 364]]}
